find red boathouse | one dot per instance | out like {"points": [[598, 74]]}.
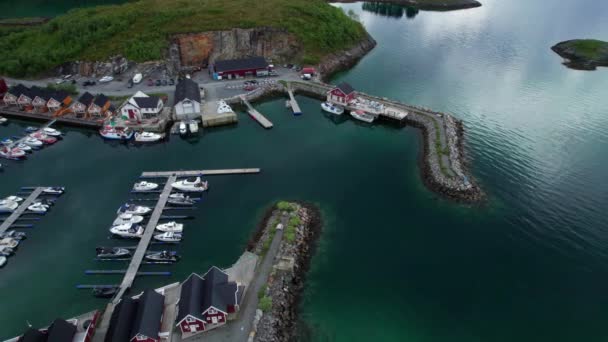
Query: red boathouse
{"points": [[342, 94]]}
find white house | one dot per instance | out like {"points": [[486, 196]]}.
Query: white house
{"points": [[187, 102], [141, 106]]}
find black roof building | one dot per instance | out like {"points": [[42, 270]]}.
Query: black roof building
{"points": [[60, 95], [32, 335], [190, 298], [18, 90], [61, 331], [187, 89], [251, 63], [218, 292], [346, 88], [146, 102], [101, 100], [121, 321], [148, 316], [86, 98]]}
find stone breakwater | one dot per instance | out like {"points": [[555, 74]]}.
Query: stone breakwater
{"points": [[443, 165], [302, 226]]}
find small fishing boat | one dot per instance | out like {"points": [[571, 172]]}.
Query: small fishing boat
{"points": [[144, 186], [32, 142], [162, 256], [2, 261], [148, 137], [54, 190], [128, 230], [169, 237], [13, 235], [104, 292], [44, 138], [8, 206], [9, 242], [112, 252], [116, 133], [6, 251], [328, 107], [170, 227], [14, 153], [191, 185], [6, 141], [3, 120], [24, 147], [128, 218], [362, 116], [13, 199], [180, 199], [183, 130], [52, 132], [134, 209], [193, 126], [38, 207], [31, 129]]}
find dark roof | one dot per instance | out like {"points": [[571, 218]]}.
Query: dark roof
{"points": [[146, 102], [121, 321], [149, 312], [60, 95], [18, 90], [101, 100], [346, 88], [38, 92], [217, 292], [190, 298], [86, 98], [32, 335], [240, 64], [61, 331], [187, 89]]}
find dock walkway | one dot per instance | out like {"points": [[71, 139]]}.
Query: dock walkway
{"points": [[20, 210], [261, 119], [44, 117], [195, 173], [295, 107]]}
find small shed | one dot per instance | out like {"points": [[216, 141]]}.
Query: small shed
{"points": [[342, 94]]}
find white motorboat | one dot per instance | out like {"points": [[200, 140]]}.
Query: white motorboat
{"points": [[6, 251], [3, 120], [116, 133], [170, 227], [133, 209], [51, 131], [191, 185], [8, 206], [54, 190], [137, 78], [6, 141], [193, 126], [148, 137], [144, 186], [24, 147], [12, 153], [33, 142], [328, 107], [128, 218], [106, 79], [180, 199], [9, 242], [128, 230], [38, 207], [169, 237], [2, 258], [183, 130], [362, 116], [13, 199], [13, 235]]}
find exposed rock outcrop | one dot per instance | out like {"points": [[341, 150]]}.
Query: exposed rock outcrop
{"points": [[335, 62], [583, 54]]}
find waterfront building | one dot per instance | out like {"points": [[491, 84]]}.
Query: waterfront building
{"points": [[141, 106], [239, 68], [187, 99], [101, 106], [137, 319], [57, 100], [77, 329], [342, 94], [84, 101]]}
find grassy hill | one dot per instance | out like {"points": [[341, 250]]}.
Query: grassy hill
{"points": [[140, 30]]}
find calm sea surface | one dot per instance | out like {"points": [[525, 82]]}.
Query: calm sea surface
{"points": [[395, 262]]}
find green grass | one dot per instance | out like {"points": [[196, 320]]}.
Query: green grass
{"points": [[590, 48], [140, 30], [67, 87], [265, 304], [125, 97], [262, 291]]}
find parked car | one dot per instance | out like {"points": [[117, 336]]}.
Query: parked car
{"points": [[171, 81], [106, 79], [130, 84], [59, 81], [253, 82], [150, 82], [158, 83], [164, 82], [88, 83]]}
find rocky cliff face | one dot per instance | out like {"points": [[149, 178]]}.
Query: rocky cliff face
{"points": [[201, 49], [335, 62]]}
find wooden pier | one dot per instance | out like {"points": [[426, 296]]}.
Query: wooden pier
{"points": [[44, 117], [257, 116], [196, 173], [295, 107], [9, 221]]}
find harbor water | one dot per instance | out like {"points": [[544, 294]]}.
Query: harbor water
{"points": [[395, 262]]}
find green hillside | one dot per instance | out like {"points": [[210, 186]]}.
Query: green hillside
{"points": [[139, 30]]}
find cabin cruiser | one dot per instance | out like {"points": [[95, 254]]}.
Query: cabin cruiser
{"points": [[112, 252], [32, 142], [13, 235], [12, 153], [54, 190], [44, 138], [183, 130], [128, 230], [51, 131], [104, 292], [170, 227], [328, 107], [38, 207], [8, 206], [2, 261], [169, 237], [137, 78], [362, 116], [12, 199], [193, 126], [191, 185], [128, 218], [134, 209], [6, 251], [180, 199], [162, 256], [144, 186], [148, 137], [116, 133], [9, 242]]}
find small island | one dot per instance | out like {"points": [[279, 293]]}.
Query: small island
{"points": [[583, 54], [429, 5]]}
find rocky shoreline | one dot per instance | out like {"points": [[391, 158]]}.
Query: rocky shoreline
{"points": [[426, 5], [344, 60], [583, 54], [301, 229]]}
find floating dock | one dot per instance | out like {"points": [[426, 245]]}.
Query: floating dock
{"points": [[295, 107], [257, 116], [9, 221], [196, 173]]}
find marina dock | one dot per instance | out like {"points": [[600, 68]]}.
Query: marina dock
{"points": [[9, 221], [45, 117], [197, 173], [295, 107], [257, 116]]}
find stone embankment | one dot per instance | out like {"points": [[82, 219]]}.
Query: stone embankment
{"points": [[276, 317]]}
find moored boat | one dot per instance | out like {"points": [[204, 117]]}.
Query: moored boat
{"points": [[32, 142], [6, 251], [13, 235], [133, 209], [3, 120], [180, 199], [13, 199], [144, 186], [54, 190], [183, 130], [128, 230], [169, 237], [148, 137], [14, 153], [31, 129], [191, 185], [170, 227], [128, 218], [44, 138], [52, 132], [6, 141], [2, 261], [38, 207], [104, 292], [112, 252], [8, 206], [24, 147], [328, 107], [9, 242], [162, 256], [362, 116], [193, 126], [116, 133]]}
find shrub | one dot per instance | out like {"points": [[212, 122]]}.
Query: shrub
{"points": [[265, 304], [262, 291]]}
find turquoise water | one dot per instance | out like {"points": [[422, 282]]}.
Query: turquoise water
{"points": [[395, 262]]}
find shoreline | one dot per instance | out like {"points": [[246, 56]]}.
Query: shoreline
{"points": [[448, 5], [576, 58]]}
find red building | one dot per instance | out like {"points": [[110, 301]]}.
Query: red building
{"points": [[239, 68], [206, 302], [342, 94]]}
